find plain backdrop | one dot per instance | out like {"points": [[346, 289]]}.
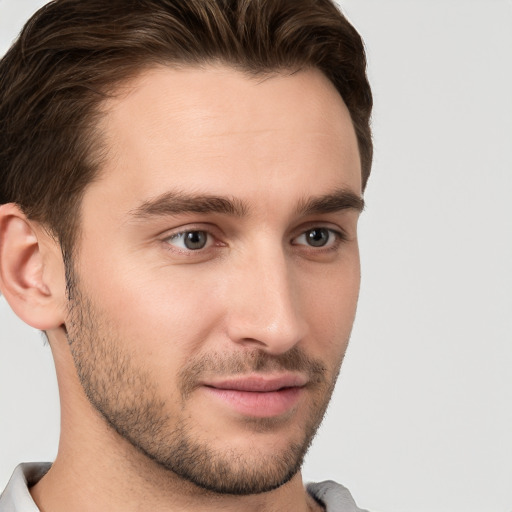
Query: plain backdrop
{"points": [[422, 417]]}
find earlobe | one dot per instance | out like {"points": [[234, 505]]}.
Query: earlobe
{"points": [[27, 270]]}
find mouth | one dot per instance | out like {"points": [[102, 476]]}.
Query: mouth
{"points": [[258, 396]]}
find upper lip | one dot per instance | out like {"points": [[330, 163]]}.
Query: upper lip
{"points": [[258, 382]]}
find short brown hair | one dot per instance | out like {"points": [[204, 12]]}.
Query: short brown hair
{"points": [[72, 53]]}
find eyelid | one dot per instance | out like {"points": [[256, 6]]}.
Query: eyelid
{"points": [[334, 227], [186, 228]]}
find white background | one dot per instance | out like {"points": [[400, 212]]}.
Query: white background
{"points": [[422, 418]]}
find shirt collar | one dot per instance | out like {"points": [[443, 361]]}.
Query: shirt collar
{"points": [[16, 496]]}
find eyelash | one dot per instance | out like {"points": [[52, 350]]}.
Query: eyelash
{"points": [[339, 238]]}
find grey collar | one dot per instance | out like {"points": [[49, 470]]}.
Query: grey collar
{"points": [[16, 496]]}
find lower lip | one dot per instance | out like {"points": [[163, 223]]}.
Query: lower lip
{"points": [[258, 404]]}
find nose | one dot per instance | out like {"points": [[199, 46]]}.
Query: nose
{"points": [[264, 303]]}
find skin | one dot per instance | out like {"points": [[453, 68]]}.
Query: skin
{"points": [[152, 321]]}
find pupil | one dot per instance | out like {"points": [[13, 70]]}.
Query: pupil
{"points": [[318, 237], [195, 240]]}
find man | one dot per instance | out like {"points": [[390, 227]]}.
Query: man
{"points": [[180, 187]]}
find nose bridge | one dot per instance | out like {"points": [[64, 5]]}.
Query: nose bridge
{"points": [[265, 306]]}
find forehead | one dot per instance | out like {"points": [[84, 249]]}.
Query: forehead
{"points": [[221, 131]]}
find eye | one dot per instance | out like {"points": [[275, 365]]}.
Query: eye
{"points": [[317, 237], [190, 240]]}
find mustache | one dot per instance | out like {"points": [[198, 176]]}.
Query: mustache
{"points": [[256, 361]]}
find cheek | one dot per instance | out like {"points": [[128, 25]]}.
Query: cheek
{"points": [[330, 307], [162, 315]]}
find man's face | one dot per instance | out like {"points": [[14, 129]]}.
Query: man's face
{"points": [[217, 273]]}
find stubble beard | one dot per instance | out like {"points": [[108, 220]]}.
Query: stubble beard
{"points": [[128, 399]]}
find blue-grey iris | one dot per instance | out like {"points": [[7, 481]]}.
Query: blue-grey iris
{"points": [[195, 240], [317, 237]]}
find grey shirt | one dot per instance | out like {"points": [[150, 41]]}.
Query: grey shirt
{"points": [[16, 496]]}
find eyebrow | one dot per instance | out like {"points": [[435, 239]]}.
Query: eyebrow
{"points": [[340, 199], [176, 203]]}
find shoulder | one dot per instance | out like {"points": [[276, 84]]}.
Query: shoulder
{"points": [[335, 497]]}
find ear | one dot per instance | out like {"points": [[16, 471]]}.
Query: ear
{"points": [[32, 276]]}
